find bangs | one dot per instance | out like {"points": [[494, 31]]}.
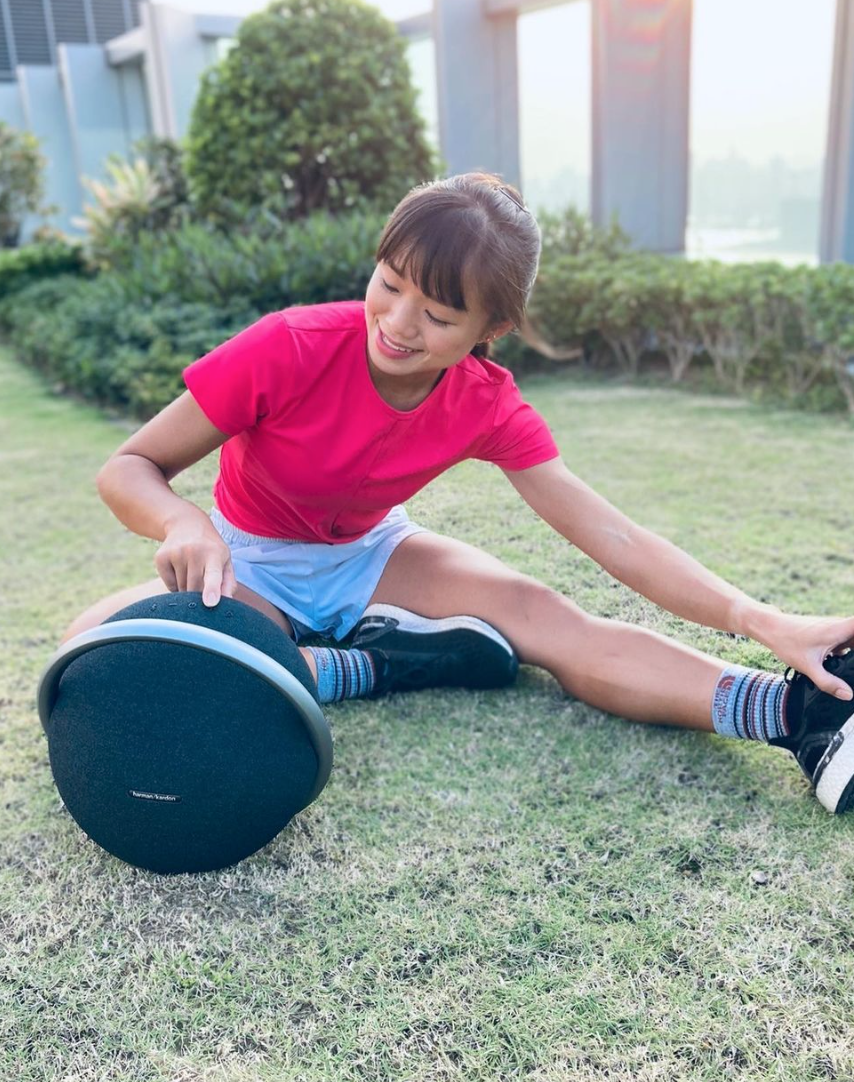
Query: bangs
{"points": [[434, 247]]}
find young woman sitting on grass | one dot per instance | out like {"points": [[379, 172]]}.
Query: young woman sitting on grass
{"points": [[330, 417]]}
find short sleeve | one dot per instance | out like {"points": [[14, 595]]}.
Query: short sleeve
{"points": [[239, 382], [518, 437]]}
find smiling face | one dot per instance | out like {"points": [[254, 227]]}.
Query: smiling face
{"points": [[412, 338]]}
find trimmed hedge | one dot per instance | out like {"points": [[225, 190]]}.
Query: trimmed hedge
{"points": [[272, 265], [86, 338], [21, 267], [782, 331], [123, 338]]}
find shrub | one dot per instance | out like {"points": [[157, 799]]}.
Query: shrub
{"points": [[123, 338], [671, 311], [571, 233], [85, 337], [165, 160], [830, 326], [22, 168], [312, 109], [773, 330], [142, 197], [20, 267], [577, 259], [321, 258], [594, 301]]}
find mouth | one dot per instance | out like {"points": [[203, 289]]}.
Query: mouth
{"points": [[390, 348]]}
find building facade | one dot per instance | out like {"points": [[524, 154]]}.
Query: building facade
{"points": [[88, 77]]}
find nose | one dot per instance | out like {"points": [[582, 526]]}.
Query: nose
{"points": [[400, 320]]}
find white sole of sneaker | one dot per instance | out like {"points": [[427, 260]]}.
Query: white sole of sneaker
{"points": [[836, 770], [422, 625]]}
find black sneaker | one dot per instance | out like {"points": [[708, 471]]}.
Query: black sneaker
{"points": [[411, 652], [822, 735]]}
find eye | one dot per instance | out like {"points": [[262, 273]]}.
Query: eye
{"points": [[391, 289], [438, 322]]}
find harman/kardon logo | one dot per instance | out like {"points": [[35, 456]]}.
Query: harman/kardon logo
{"points": [[165, 798]]}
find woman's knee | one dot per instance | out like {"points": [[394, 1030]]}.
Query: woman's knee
{"points": [[96, 614], [108, 606], [544, 626]]}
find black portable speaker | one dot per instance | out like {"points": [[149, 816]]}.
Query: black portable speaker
{"points": [[184, 738]]}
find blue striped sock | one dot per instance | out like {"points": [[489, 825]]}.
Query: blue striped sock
{"points": [[343, 674], [750, 704]]}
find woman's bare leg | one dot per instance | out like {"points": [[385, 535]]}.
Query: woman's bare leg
{"points": [[107, 606], [618, 667]]}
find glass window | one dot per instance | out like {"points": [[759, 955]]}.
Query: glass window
{"points": [[760, 94], [421, 54], [555, 105]]}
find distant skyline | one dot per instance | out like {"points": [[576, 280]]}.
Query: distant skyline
{"points": [[760, 87], [758, 69]]}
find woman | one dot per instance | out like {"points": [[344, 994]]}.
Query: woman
{"points": [[329, 417]]}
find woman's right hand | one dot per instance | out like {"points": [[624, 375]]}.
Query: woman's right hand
{"points": [[194, 557]]}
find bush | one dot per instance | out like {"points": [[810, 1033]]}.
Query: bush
{"points": [[143, 197], [597, 303], [20, 267], [123, 338], [85, 337], [322, 258], [165, 160], [22, 168], [767, 329], [829, 324], [571, 233], [312, 109]]}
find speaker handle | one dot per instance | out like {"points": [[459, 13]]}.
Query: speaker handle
{"points": [[177, 633]]}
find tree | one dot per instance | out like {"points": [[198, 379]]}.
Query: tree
{"points": [[22, 168], [312, 109]]}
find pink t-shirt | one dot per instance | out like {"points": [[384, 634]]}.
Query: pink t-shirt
{"points": [[316, 454]]}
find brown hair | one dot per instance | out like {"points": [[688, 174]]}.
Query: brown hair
{"points": [[469, 230]]}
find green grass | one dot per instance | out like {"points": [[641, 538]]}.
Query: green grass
{"points": [[493, 885]]}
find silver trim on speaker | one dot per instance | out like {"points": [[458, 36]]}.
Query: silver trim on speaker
{"points": [[201, 638]]}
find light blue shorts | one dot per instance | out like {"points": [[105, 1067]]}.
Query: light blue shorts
{"points": [[322, 589]]}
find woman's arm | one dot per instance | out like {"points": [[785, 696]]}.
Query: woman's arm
{"points": [[134, 483], [644, 561], [671, 578]]}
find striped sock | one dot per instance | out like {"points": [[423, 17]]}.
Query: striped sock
{"points": [[750, 704], [343, 674]]}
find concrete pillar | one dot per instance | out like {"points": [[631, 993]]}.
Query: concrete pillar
{"points": [[176, 55], [477, 81], [46, 117], [135, 111], [95, 105], [641, 105], [837, 212]]}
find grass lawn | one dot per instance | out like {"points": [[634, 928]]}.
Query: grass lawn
{"points": [[493, 886]]}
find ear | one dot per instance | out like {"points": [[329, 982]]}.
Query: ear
{"points": [[499, 330]]}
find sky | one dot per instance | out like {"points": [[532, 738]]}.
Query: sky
{"points": [[760, 77]]}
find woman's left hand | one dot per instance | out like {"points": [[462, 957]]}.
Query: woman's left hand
{"points": [[803, 642]]}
